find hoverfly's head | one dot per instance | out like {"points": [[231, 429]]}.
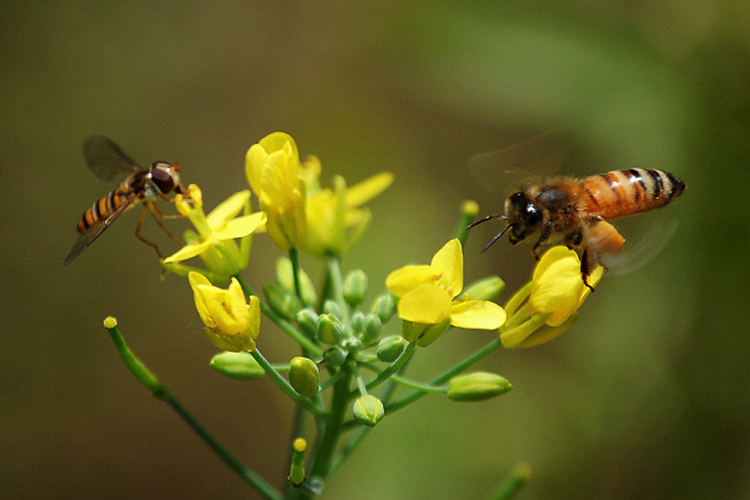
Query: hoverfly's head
{"points": [[524, 217], [166, 177]]}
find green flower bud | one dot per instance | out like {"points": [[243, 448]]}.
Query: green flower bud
{"points": [[369, 410], [371, 329], [352, 344], [355, 287], [237, 365], [297, 474], [384, 307], [358, 321], [335, 356], [285, 303], [285, 277], [307, 319], [477, 386], [329, 330], [423, 334], [485, 289], [304, 376], [332, 307], [390, 348]]}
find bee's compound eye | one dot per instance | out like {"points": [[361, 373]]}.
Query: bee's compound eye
{"points": [[533, 216], [163, 177]]}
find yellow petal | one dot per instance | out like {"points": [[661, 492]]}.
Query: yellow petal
{"points": [[477, 314], [559, 284], [368, 189], [240, 227], [406, 279], [188, 252], [228, 209], [428, 304], [450, 260]]}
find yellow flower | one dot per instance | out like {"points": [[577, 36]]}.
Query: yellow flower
{"points": [[231, 324], [273, 171], [552, 297], [334, 219], [430, 299], [214, 243]]}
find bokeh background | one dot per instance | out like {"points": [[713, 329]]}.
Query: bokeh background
{"points": [[646, 398]]}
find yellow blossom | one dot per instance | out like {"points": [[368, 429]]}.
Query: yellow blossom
{"points": [[431, 301], [273, 171], [231, 323], [334, 219], [216, 233], [552, 298]]}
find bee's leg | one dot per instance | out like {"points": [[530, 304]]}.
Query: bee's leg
{"points": [[143, 239], [589, 261], [158, 215], [546, 232]]}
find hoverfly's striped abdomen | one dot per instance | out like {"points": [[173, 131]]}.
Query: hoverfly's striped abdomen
{"points": [[103, 208], [626, 192]]}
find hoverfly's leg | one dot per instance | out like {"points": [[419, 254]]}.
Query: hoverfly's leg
{"points": [[158, 215], [143, 239], [546, 232]]}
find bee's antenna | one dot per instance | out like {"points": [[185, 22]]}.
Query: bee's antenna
{"points": [[497, 236], [489, 217]]}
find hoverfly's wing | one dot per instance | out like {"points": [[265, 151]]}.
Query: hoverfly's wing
{"points": [[641, 249], [87, 237], [107, 160], [532, 159]]}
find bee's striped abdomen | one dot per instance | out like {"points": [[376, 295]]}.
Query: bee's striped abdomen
{"points": [[103, 208], [626, 192]]}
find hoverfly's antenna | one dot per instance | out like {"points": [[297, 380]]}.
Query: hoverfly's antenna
{"points": [[498, 235]]}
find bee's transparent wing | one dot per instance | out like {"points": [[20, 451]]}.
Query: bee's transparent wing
{"points": [[641, 249]]}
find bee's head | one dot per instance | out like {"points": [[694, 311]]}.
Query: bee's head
{"points": [[524, 217]]}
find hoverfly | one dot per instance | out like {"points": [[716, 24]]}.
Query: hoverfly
{"points": [[138, 184], [576, 212]]}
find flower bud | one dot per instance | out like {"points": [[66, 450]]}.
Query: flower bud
{"points": [[285, 277], [384, 307], [351, 344], [358, 321], [369, 410], [477, 386], [371, 329], [304, 376], [329, 330], [237, 365], [355, 287], [332, 307], [297, 474], [307, 319], [485, 289], [335, 356], [285, 303], [390, 348]]}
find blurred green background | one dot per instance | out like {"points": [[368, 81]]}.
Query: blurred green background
{"points": [[646, 398]]}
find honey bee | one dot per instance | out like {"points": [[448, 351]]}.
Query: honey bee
{"points": [[110, 163], [576, 211]]}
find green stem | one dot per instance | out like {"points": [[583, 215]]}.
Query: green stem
{"points": [[513, 484], [161, 391], [258, 483], [393, 368], [301, 400], [407, 382], [290, 330], [445, 376], [294, 257], [336, 284]]}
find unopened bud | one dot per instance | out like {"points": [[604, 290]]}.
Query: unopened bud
{"points": [[335, 356], [282, 301], [485, 289], [237, 365], [358, 322], [371, 329], [330, 329], [390, 348], [477, 386], [332, 307], [369, 410], [384, 307], [304, 376], [355, 287], [285, 277], [307, 319]]}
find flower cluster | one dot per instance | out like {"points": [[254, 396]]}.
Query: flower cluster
{"points": [[344, 337]]}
